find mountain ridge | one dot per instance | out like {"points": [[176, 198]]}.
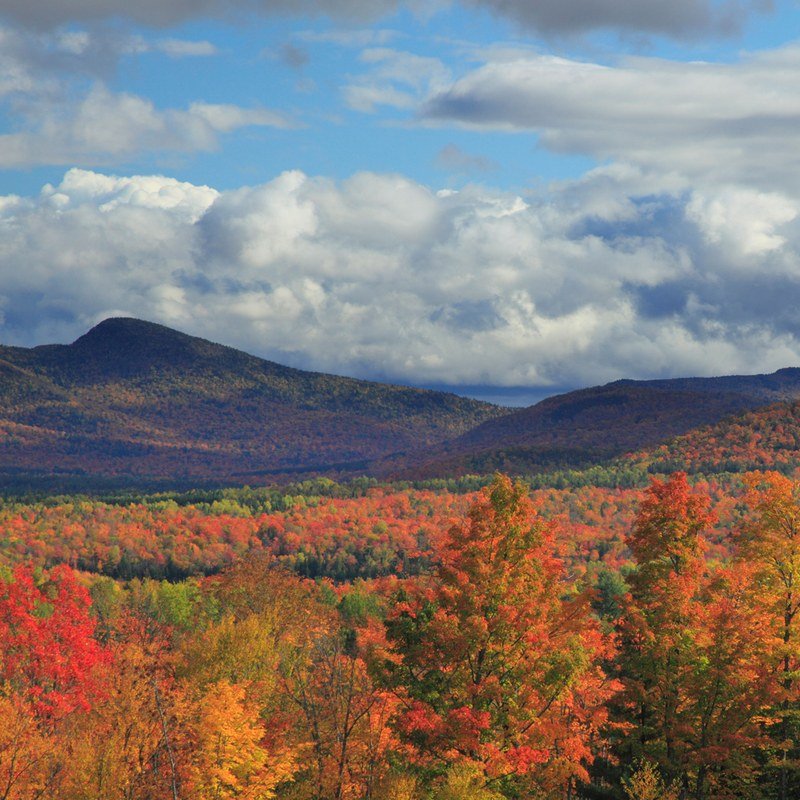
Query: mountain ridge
{"points": [[598, 424], [143, 400], [139, 401]]}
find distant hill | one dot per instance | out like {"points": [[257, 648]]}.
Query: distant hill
{"points": [[595, 425], [766, 438], [139, 404], [136, 400]]}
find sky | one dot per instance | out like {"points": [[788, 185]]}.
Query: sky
{"points": [[500, 197]]}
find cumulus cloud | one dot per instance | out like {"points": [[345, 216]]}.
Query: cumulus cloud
{"points": [[742, 221], [722, 122], [81, 188], [381, 277], [105, 127]]}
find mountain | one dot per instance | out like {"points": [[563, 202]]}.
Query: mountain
{"points": [[140, 404], [135, 400], [595, 425]]}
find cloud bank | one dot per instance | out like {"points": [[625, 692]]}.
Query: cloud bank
{"points": [[679, 19], [378, 276], [709, 121]]}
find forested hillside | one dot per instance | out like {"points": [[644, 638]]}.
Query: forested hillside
{"points": [[767, 438], [594, 425], [135, 404], [141, 403]]}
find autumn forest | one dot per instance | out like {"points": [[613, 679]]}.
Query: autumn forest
{"points": [[398, 643], [399, 400]]}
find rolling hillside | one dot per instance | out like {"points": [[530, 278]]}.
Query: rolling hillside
{"points": [[595, 425], [132, 399], [766, 438], [131, 402]]}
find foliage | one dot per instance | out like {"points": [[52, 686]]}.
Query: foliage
{"points": [[493, 666], [47, 650], [769, 545], [144, 404], [765, 438], [572, 644], [646, 783], [692, 661]]}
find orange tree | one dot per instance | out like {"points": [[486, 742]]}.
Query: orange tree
{"points": [[691, 660], [493, 667]]}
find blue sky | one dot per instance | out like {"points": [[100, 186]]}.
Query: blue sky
{"points": [[307, 69], [476, 194]]}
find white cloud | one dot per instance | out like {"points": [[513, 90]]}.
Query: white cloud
{"points": [[743, 221], [731, 123], [394, 78], [105, 127], [181, 48], [379, 276], [354, 37], [174, 48], [74, 42], [224, 117], [184, 201], [61, 111]]}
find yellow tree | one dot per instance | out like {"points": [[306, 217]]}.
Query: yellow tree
{"points": [[244, 738], [229, 756], [344, 714], [646, 783], [29, 759], [770, 545], [126, 747]]}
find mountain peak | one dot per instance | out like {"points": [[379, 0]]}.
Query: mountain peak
{"points": [[125, 346], [116, 331]]}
